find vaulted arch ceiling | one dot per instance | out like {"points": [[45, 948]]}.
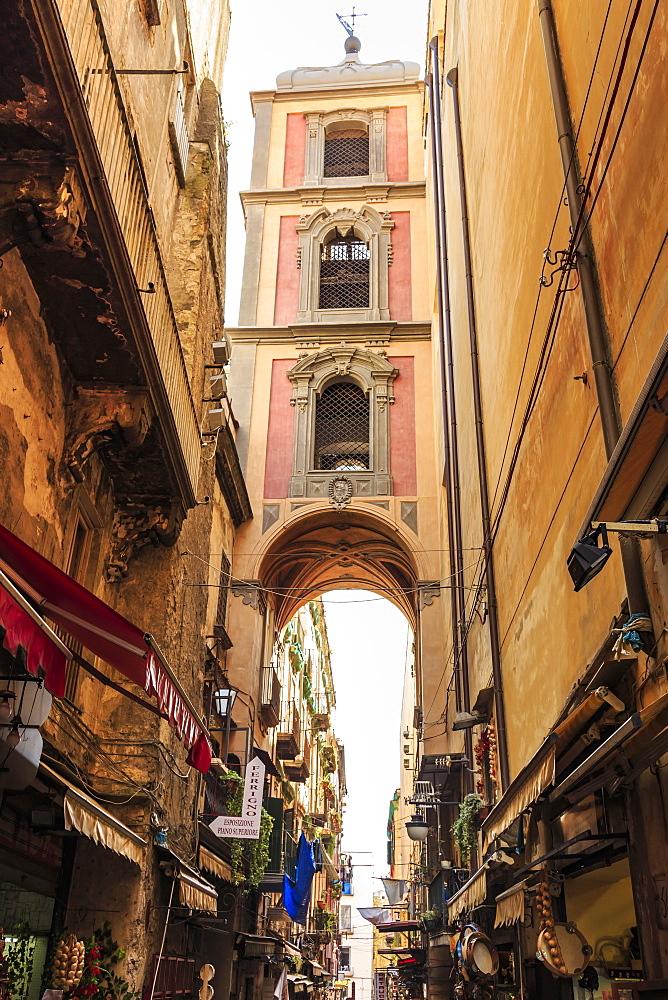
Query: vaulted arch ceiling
{"points": [[333, 550]]}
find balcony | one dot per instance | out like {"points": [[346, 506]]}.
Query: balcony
{"points": [[270, 703], [288, 736], [299, 768], [87, 238]]}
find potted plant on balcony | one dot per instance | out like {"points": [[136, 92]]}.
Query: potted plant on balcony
{"points": [[431, 920], [464, 828]]}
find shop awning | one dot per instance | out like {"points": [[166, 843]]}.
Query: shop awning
{"points": [[471, 894], [510, 905], [209, 862], [392, 926], [196, 894], [328, 864], [24, 627], [638, 467], [257, 945], [84, 814], [108, 635], [532, 780]]}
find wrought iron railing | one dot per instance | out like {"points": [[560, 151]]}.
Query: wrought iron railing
{"points": [[103, 97]]}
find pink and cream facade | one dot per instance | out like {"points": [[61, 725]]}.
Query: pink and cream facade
{"points": [[332, 374]]}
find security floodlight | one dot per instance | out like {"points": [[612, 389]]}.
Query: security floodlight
{"points": [[467, 720], [417, 828], [223, 700], [587, 559]]}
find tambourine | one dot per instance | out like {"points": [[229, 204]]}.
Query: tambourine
{"points": [[575, 950], [476, 954]]}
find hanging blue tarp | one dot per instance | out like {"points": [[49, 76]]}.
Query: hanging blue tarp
{"points": [[297, 891]]}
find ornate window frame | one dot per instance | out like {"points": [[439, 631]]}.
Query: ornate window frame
{"points": [[374, 120], [310, 376], [375, 229]]}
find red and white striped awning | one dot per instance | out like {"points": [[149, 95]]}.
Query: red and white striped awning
{"points": [[105, 633]]}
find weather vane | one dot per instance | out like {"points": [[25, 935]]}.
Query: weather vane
{"points": [[350, 28]]}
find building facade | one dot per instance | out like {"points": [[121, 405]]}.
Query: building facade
{"points": [[545, 130], [118, 486]]}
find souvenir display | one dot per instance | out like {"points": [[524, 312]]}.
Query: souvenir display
{"points": [[561, 946]]}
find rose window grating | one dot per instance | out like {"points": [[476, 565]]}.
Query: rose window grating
{"points": [[346, 153], [342, 428], [344, 273]]}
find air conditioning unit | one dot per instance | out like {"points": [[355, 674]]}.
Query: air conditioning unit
{"points": [[218, 386], [407, 762], [217, 419], [221, 352]]}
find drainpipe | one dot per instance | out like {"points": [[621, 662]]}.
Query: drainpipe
{"points": [[610, 420], [492, 608], [452, 484]]}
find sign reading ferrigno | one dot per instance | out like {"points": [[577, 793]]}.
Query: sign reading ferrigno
{"points": [[248, 824]]}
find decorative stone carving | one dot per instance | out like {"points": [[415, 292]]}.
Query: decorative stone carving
{"points": [[340, 492], [250, 593], [136, 525], [409, 514], [427, 591], [95, 418], [310, 376], [270, 513]]}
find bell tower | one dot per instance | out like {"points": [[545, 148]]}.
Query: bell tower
{"points": [[332, 372]]}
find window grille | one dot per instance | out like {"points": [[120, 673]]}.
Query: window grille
{"points": [[346, 153], [342, 428], [344, 272]]}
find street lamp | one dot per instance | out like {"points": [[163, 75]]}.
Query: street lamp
{"points": [[587, 558], [223, 701], [467, 720], [417, 828]]}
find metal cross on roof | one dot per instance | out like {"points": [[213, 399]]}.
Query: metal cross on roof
{"points": [[350, 28]]}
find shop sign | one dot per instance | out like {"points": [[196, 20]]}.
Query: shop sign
{"points": [[247, 825]]}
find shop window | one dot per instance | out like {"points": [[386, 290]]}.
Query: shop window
{"points": [[342, 428], [346, 152], [344, 272]]}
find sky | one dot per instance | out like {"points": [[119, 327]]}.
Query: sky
{"points": [[268, 37], [369, 639]]}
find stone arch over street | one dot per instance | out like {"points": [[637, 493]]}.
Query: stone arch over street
{"points": [[340, 550]]}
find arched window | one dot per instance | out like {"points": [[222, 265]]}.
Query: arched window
{"points": [[342, 397], [346, 152], [342, 429], [344, 272]]}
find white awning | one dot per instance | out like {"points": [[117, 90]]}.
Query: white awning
{"points": [[510, 906], [524, 790], [89, 818], [196, 894], [471, 894], [210, 862]]}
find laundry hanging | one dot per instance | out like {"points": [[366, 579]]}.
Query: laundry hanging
{"points": [[297, 891]]}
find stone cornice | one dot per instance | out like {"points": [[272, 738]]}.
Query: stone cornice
{"points": [[311, 336], [306, 95], [367, 192]]}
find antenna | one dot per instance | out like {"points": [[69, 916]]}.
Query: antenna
{"points": [[350, 28]]}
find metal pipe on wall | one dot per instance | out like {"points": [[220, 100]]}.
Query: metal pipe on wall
{"points": [[598, 347], [440, 308], [490, 577], [448, 382]]}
